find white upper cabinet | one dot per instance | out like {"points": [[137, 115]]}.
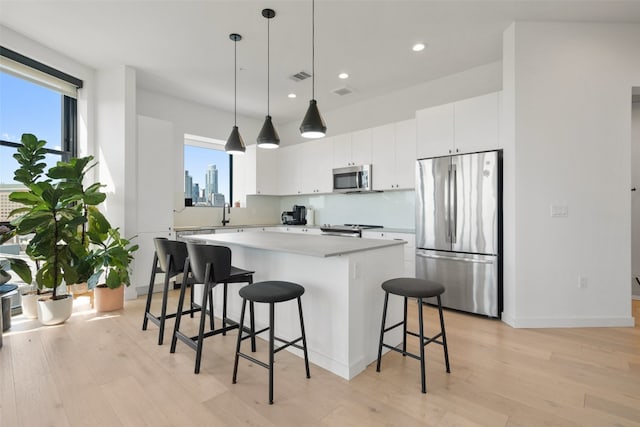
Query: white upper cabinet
{"points": [[341, 145], [405, 133], [305, 168], [434, 131], [384, 157], [465, 126], [315, 159], [361, 147], [352, 149], [289, 170], [476, 126], [393, 155], [255, 172]]}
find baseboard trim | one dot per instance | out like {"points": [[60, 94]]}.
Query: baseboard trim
{"points": [[582, 322]]}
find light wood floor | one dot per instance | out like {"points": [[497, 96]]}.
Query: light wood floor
{"points": [[103, 370]]}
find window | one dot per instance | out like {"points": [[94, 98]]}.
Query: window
{"points": [[37, 99], [207, 172]]}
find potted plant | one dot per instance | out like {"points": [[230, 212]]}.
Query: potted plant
{"points": [[55, 212], [18, 265], [111, 260], [22, 269]]}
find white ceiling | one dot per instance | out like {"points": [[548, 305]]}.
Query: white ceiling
{"points": [[182, 47]]}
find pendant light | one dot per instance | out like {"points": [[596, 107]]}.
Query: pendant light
{"points": [[268, 137], [312, 125], [235, 144]]}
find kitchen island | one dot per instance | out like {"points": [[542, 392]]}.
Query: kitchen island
{"points": [[343, 300]]}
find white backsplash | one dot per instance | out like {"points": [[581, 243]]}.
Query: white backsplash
{"points": [[395, 209]]}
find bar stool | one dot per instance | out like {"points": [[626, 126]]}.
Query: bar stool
{"points": [[210, 265], [271, 292], [420, 289], [169, 258]]}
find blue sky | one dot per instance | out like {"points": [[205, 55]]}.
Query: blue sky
{"points": [[26, 107]]}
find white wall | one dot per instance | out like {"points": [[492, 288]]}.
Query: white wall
{"points": [[570, 85], [635, 200]]}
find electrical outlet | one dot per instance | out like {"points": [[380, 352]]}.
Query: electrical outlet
{"points": [[582, 282], [559, 211]]}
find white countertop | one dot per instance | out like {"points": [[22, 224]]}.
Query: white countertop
{"points": [[304, 244]]}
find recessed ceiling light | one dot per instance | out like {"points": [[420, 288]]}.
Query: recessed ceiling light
{"points": [[418, 47], [292, 95], [343, 76]]}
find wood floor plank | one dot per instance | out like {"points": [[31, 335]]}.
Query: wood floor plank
{"points": [[103, 370]]}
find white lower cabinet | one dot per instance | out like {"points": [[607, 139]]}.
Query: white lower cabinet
{"points": [[231, 230], [409, 248]]}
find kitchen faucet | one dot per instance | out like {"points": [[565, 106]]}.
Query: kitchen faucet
{"points": [[226, 207]]}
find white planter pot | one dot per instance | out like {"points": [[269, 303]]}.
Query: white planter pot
{"points": [[30, 306], [53, 312]]}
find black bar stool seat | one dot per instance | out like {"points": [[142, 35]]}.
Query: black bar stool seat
{"points": [[420, 289], [271, 292]]}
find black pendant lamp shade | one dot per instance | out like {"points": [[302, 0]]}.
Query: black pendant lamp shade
{"points": [[235, 144], [312, 125], [268, 137]]}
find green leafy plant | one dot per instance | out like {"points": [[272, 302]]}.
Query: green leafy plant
{"points": [[113, 254], [18, 265], [56, 212]]}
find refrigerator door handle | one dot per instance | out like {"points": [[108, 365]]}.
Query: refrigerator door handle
{"points": [[452, 258], [454, 213], [448, 205]]}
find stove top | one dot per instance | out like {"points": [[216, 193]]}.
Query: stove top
{"points": [[347, 229]]}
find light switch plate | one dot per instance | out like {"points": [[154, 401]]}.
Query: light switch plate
{"points": [[559, 211]]}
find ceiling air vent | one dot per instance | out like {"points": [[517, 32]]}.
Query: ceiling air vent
{"points": [[300, 76], [342, 91]]}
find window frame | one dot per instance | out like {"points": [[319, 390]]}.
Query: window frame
{"points": [[69, 110]]}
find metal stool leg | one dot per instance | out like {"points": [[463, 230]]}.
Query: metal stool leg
{"points": [[224, 308], [176, 327], [211, 315], [421, 329], [384, 318], [444, 336], [191, 301], [165, 295], [404, 329], [145, 321], [271, 346], [235, 363], [252, 323], [205, 296], [304, 339]]}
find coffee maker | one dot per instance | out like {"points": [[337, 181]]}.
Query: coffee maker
{"points": [[297, 216]]}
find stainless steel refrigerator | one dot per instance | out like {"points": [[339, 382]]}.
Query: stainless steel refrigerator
{"points": [[459, 229]]}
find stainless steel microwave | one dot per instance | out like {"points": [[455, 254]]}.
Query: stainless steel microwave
{"points": [[352, 179]]}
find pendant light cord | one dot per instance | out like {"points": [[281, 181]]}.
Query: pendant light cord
{"points": [[313, 49], [268, 64], [235, 81]]}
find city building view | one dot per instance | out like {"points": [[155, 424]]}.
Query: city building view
{"points": [[209, 195]]}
